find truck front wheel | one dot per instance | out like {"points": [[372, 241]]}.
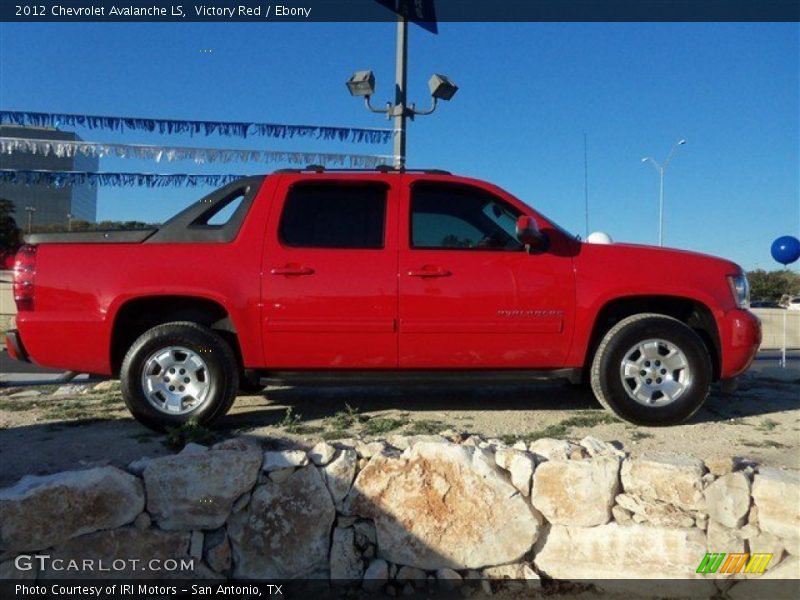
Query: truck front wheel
{"points": [[178, 372], [651, 369]]}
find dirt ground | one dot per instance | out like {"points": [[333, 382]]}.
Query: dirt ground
{"points": [[47, 433]]}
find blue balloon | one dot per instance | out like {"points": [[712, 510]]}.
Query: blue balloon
{"points": [[786, 249]]}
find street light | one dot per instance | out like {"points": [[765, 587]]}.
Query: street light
{"points": [[661, 170], [69, 221], [362, 83], [30, 210]]}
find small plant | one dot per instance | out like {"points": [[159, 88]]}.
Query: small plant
{"points": [[640, 435], [380, 425], [344, 418], [189, 432], [590, 418], [290, 421], [767, 425], [425, 427]]}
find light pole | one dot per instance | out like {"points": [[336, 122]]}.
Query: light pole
{"points": [[69, 221], [362, 83], [661, 170], [30, 210]]}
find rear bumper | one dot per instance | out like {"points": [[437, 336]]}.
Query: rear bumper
{"points": [[741, 336], [15, 347]]}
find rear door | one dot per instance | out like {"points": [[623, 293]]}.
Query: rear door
{"points": [[330, 274], [471, 296]]}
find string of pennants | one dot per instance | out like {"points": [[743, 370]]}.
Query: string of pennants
{"points": [[71, 148], [179, 126], [150, 180]]}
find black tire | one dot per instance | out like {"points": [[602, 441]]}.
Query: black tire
{"points": [[611, 388], [222, 374]]}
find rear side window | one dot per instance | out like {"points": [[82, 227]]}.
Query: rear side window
{"points": [[334, 216]]}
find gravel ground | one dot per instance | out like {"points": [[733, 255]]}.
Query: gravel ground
{"points": [[44, 433]]}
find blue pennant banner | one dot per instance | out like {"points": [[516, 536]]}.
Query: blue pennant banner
{"points": [[70, 148], [192, 128], [150, 180]]}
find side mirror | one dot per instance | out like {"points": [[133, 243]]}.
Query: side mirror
{"points": [[528, 233]]}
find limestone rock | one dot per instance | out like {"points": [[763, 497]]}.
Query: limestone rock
{"points": [[728, 500], [788, 569], [766, 543], [196, 544], [376, 575], [138, 466], [339, 474], [365, 533], [620, 552], [192, 448], [723, 539], [283, 459], [448, 578], [776, 493], [281, 475], [217, 551], [444, 505], [655, 512], [126, 543], [577, 493], [42, 511], [404, 442], [550, 449], [345, 560], [197, 491], [621, 515], [142, 521], [672, 478], [371, 449], [411, 574], [285, 531], [322, 453], [597, 447], [719, 465], [520, 465]]}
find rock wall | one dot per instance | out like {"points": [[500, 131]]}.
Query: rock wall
{"points": [[389, 515]]}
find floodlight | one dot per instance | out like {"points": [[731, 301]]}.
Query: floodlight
{"points": [[442, 88], [362, 83]]}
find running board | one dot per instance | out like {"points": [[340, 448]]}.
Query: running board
{"points": [[414, 377]]}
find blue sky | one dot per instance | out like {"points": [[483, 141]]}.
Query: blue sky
{"points": [[528, 93]]}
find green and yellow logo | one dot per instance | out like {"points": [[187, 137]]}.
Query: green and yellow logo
{"points": [[720, 562]]}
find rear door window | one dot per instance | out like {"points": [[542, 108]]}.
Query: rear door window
{"points": [[324, 215]]}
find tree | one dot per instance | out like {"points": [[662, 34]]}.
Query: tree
{"points": [[9, 232], [772, 285]]}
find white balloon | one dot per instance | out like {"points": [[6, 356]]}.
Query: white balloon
{"points": [[599, 237]]}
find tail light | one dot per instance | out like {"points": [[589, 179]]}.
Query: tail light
{"points": [[24, 275]]}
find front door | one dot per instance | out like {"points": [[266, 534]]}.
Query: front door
{"points": [[471, 296], [329, 282]]}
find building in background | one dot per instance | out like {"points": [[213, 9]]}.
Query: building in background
{"points": [[53, 205]]}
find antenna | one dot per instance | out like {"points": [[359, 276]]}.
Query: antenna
{"points": [[586, 184]]}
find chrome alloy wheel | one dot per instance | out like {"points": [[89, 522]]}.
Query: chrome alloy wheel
{"points": [[175, 380], [655, 372]]}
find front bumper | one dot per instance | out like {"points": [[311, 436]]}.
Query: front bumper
{"points": [[14, 345], [740, 332]]}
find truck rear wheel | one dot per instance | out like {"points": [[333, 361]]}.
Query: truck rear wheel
{"points": [[177, 372], [651, 369]]}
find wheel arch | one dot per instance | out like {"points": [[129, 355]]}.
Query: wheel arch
{"points": [[693, 313], [137, 315]]}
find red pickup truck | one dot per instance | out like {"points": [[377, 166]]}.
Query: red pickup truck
{"points": [[309, 275]]}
